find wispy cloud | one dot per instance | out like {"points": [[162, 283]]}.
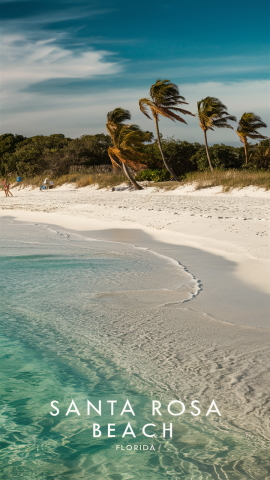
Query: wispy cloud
{"points": [[195, 69], [26, 62], [48, 13]]}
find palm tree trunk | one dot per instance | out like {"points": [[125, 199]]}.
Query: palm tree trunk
{"points": [[207, 151], [129, 176], [246, 149], [161, 151]]}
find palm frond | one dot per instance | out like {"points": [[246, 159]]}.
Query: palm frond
{"points": [[144, 104], [165, 97], [115, 164], [133, 137], [221, 125], [165, 93], [248, 125], [212, 113], [181, 110], [111, 127], [166, 112], [118, 115], [258, 125], [231, 117], [124, 157], [257, 135]]}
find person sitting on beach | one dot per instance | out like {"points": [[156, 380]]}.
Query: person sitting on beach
{"points": [[46, 184]]}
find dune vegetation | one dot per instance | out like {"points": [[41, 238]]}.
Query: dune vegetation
{"points": [[228, 180]]}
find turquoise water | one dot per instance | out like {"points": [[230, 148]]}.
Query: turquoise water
{"points": [[53, 347]]}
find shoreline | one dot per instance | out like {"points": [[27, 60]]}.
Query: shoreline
{"points": [[236, 301], [207, 235]]}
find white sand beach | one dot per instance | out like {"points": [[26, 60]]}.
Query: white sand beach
{"points": [[232, 225], [217, 344]]}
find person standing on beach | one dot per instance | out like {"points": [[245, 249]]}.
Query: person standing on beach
{"points": [[6, 185]]}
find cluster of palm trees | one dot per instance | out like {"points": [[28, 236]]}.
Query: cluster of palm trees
{"points": [[213, 114], [128, 139]]}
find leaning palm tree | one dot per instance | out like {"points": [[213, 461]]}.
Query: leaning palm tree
{"points": [[164, 100], [127, 143], [212, 114], [247, 127]]}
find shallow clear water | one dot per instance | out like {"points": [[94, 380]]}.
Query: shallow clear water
{"points": [[52, 348]]}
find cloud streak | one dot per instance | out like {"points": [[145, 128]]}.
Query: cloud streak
{"points": [[26, 62]]}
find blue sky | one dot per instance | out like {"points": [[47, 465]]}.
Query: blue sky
{"points": [[65, 64]]}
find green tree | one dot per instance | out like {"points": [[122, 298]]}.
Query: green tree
{"points": [[212, 114], [9, 142], [90, 150], [33, 155], [259, 156], [178, 154], [8, 145], [222, 156], [53, 154], [127, 143], [247, 128], [164, 100]]}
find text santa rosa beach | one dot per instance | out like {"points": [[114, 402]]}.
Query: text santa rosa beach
{"points": [[174, 408]]}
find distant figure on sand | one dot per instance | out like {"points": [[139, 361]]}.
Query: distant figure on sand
{"points": [[47, 184], [6, 185]]}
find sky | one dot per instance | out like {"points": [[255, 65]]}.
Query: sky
{"points": [[65, 63]]}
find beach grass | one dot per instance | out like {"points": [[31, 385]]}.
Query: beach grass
{"points": [[172, 185], [227, 179], [100, 180]]}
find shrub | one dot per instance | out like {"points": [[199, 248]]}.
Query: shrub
{"points": [[259, 156], [179, 155], [157, 175], [222, 156]]}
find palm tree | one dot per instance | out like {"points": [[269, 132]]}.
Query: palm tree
{"points": [[127, 143], [247, 127], [164, 100], [212, 114]]}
